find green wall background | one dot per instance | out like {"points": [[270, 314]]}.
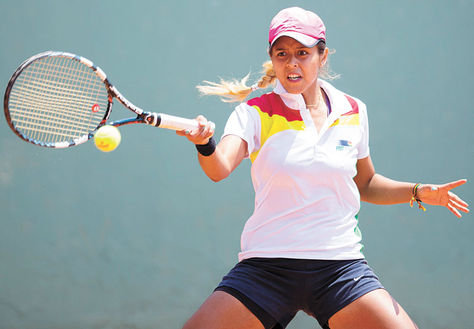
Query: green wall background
{"points": [[139, 237]]}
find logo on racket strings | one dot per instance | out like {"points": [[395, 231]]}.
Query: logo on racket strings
{"points": [[95, 108]]}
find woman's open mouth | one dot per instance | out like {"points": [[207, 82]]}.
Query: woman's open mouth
{"points": [[294, 77]]}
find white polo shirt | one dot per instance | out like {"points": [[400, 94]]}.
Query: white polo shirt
{"points": [[306, 201]]}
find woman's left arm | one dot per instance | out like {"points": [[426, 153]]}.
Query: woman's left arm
{"points": [[375, 188]]}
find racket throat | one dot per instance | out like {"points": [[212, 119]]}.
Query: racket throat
{"points": [[153, 119]]}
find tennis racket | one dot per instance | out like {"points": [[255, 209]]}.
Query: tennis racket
{"points": [[58, 100]]}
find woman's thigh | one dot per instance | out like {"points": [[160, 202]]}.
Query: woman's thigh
{"points": [[222, 310], [376, 309]]}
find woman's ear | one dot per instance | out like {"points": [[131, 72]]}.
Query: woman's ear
{"points": [[324, 57]]}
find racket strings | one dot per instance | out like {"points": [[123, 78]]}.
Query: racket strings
{"points": [[57, 99], [73, 83], [35, 100]]}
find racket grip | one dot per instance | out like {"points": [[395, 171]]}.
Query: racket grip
{"points": [[172, 122]]}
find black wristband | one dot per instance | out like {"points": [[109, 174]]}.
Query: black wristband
{"points": [[207, 149]]}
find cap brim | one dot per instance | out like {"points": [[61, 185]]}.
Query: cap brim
{"points": [[305, 40]]}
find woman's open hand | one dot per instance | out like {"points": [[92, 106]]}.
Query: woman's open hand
{"points": [[441, 195]]}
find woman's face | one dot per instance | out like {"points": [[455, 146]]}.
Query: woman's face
{"points": [[296, 66]]}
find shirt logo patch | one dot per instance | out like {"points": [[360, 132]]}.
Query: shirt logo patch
{"points": [[342, 143]]}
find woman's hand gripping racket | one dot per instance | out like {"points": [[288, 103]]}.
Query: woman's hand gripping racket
{"points": [[58, 100]]}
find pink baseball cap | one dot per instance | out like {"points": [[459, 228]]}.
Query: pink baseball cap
{"points": [[302, 25]]}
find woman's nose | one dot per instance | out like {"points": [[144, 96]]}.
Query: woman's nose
{"points": [[292, 62]]}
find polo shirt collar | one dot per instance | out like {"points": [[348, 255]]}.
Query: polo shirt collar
{"points": [[293, 101], [339, 103]]}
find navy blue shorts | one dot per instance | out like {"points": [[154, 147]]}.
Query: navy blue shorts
{"points": [[275, 289]]}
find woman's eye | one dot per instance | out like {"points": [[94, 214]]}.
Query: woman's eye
{"points": [[281, 54], [302, 52]]}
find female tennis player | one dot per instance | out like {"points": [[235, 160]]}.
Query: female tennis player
{"points": [[311, 166]]}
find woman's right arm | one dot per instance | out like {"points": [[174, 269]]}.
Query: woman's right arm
{"points": [[229, 153]]}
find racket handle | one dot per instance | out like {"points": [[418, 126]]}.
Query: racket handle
{"points": [[172, 122]]}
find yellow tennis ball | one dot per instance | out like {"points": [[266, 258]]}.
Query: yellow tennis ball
{"points": [[107, 138]]}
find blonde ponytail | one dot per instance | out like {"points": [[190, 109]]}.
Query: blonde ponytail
{"points": [[238, 91]]}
